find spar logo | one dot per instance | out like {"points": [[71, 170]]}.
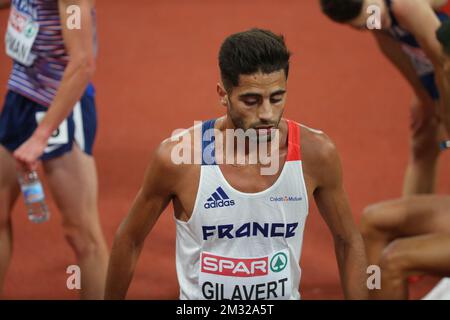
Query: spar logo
{"points": [[30, 30], [232, 267], [278, 262], [219, 199]]}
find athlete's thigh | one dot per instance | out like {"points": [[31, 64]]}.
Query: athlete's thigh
{"points": [[429, 253], [413, 215], [73, 182], [9, 187], [426, 214]]}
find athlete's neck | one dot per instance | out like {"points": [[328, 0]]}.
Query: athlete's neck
{"points": [[239, 144]]}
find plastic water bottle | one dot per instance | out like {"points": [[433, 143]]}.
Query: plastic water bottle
{"points": [[445, 145], [34, 196]]}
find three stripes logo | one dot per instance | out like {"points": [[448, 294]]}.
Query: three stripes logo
{"points": [[219, 199]]}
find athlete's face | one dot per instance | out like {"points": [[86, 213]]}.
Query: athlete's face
{"points": [[360, 22], [257, 102]]}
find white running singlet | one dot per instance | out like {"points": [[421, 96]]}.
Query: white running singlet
{"points": [[244, 246]]}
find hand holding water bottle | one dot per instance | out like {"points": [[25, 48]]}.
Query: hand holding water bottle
{"points": [[34, 196]]}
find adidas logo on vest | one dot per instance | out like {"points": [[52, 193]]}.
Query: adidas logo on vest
{"points": [[219, 199]]}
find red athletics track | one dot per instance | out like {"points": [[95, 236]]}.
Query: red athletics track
{"points": [[157, 71]]}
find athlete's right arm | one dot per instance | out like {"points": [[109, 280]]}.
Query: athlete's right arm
{"points": [[153, 197], [394, 53]]}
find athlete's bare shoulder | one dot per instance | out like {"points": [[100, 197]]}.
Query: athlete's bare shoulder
{"points": [[181, 149], [315, 144], [176, 156], [319, 154]]}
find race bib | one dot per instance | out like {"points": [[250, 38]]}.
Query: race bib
{"points": [[20, 36], [263, 278], [59, 137]]}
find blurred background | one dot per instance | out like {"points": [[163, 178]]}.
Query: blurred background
{"points": [[156, 72]]}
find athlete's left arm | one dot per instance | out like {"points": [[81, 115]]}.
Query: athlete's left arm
{"points": [[419, 18], [333, 204], [76, 77]]}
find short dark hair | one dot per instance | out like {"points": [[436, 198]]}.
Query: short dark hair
{"points": [[252, 51], [443, 35], [342, 10]]}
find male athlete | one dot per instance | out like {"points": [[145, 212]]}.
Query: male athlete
{"points": [[49, 114], [239, 232], [408, 39], [407, 237], [410, 236]]}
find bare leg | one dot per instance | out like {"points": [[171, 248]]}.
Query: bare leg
{"points": [[420, 174], [417, 215], [9, 190], [426, 254], [73, 181]]}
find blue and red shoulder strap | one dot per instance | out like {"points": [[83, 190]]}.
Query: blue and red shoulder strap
{"points": [[294, 150], [208, 152]]}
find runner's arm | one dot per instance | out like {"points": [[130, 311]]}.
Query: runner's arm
{"points": [[76, 77], [334, 207], [419, 18], [153, 197], [392, 50]]}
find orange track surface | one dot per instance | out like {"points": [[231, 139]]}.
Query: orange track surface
{"points": [[157, 70]]}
